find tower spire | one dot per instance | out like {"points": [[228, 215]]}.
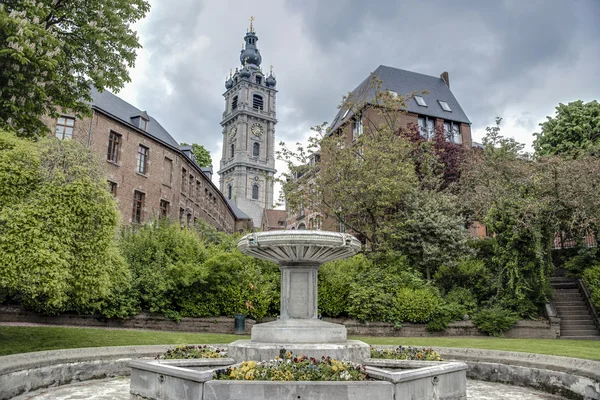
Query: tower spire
{"points": [[251, 20]]}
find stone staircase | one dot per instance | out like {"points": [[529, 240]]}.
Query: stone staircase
{"points": [[576, 320]]}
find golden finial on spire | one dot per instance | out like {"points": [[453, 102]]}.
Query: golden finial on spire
{"points": [[251, 20]]}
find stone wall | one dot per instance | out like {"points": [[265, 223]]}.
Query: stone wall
{"points": [[541, 329]]}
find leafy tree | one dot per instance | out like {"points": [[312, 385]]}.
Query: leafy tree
{"points": [[524, 204], [57, 227], [385, 185], [52, 51], [201, 155], [574, 129]]}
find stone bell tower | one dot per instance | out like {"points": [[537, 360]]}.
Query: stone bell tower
{"points": [[248, 161]]}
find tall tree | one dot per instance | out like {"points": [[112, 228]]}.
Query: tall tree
{"points": [[574, 129], [58, 225], [201, 155], [52, 51], [385, 188]]}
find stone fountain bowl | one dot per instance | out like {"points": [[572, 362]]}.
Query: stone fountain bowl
{"points": [[294, 246]]}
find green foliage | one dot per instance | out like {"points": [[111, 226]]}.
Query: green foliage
{"points": [[201, 155], [495, 321], [464, 301], [57, 227], [415, 305], [470, 273], [335, 281], [190, 352], [591, 276], [52, 52], [166, 263], [372, 294], [433, 232], [405, 353], [584, 258], [574, 129]]}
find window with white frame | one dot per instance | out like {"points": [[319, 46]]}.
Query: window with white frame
{"points": [[452, 132], [357, 126], [445, 106], [420, 101], [64, 127], [426, 127]]}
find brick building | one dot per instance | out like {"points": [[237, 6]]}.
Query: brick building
{"points": [[148, 172], [436, 109]]}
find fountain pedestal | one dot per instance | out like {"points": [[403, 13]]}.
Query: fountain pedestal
{"points": [[298, 329]]}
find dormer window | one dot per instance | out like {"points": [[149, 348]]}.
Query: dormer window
{"points": [[420, 101], [258, 80], [257, 102], [140, 120]]}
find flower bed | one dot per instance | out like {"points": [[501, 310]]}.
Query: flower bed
{"points": [[287, 367], [406, 353], [187, 352]]}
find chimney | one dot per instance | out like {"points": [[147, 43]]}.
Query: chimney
{"points": [[445, 77]]}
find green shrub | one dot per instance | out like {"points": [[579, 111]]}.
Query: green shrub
{"points": [[166, 263], [584, 258], [591, 276], [372, 295], [58, 226], [470, 273], [462, 300], [335, 280], [415, 305], [405, 353], [495, 321]]}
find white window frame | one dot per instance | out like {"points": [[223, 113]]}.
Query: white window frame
{"points": [[420, 101]]}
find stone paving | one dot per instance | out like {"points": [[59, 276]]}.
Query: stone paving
{"points": [[118, 389]]}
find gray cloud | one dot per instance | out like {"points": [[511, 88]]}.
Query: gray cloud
{"points": [[514, 58]]}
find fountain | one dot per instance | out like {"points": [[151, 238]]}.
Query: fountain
{"points": [[299, 255]]}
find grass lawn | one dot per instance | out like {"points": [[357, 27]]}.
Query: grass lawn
{"points": [[589, 349], [22, 339]]}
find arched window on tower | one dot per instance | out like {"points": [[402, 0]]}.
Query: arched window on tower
{"points": [[255, 192], [232, 150], [234, 102], [229, 190], [257, 102], [256, 149]]}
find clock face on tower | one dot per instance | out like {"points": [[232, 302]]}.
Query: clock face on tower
{"points": [[257, 130]]}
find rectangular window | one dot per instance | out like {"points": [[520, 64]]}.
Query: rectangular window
{"points": [[427, 127], [168, 171], [114, 147], [191, 187], [112, 187], [420, 101], [64, 127], [138, 207], [164, 208], [183, 179], [198, 191], [357, 126], [452, 132], [444, 106], [142, 159]]}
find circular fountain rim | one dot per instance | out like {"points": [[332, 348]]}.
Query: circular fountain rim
{"points": [[289, 246]]}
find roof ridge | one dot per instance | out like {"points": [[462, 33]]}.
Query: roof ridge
{"points": [[410, 72]]}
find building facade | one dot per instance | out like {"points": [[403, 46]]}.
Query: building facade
{"points": [[149, 174], [247, 168], [433, 107]]}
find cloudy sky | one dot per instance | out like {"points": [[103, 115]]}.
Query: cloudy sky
{"points": [[516, 59]]}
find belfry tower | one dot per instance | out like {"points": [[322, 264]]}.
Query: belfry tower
{"points": [[248, 162]]}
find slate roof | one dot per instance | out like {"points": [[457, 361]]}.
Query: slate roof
{"points": [[239, 214], [405, 82], [123, 111]]}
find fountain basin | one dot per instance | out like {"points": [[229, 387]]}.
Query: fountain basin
{"points": [[391, 379]]}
